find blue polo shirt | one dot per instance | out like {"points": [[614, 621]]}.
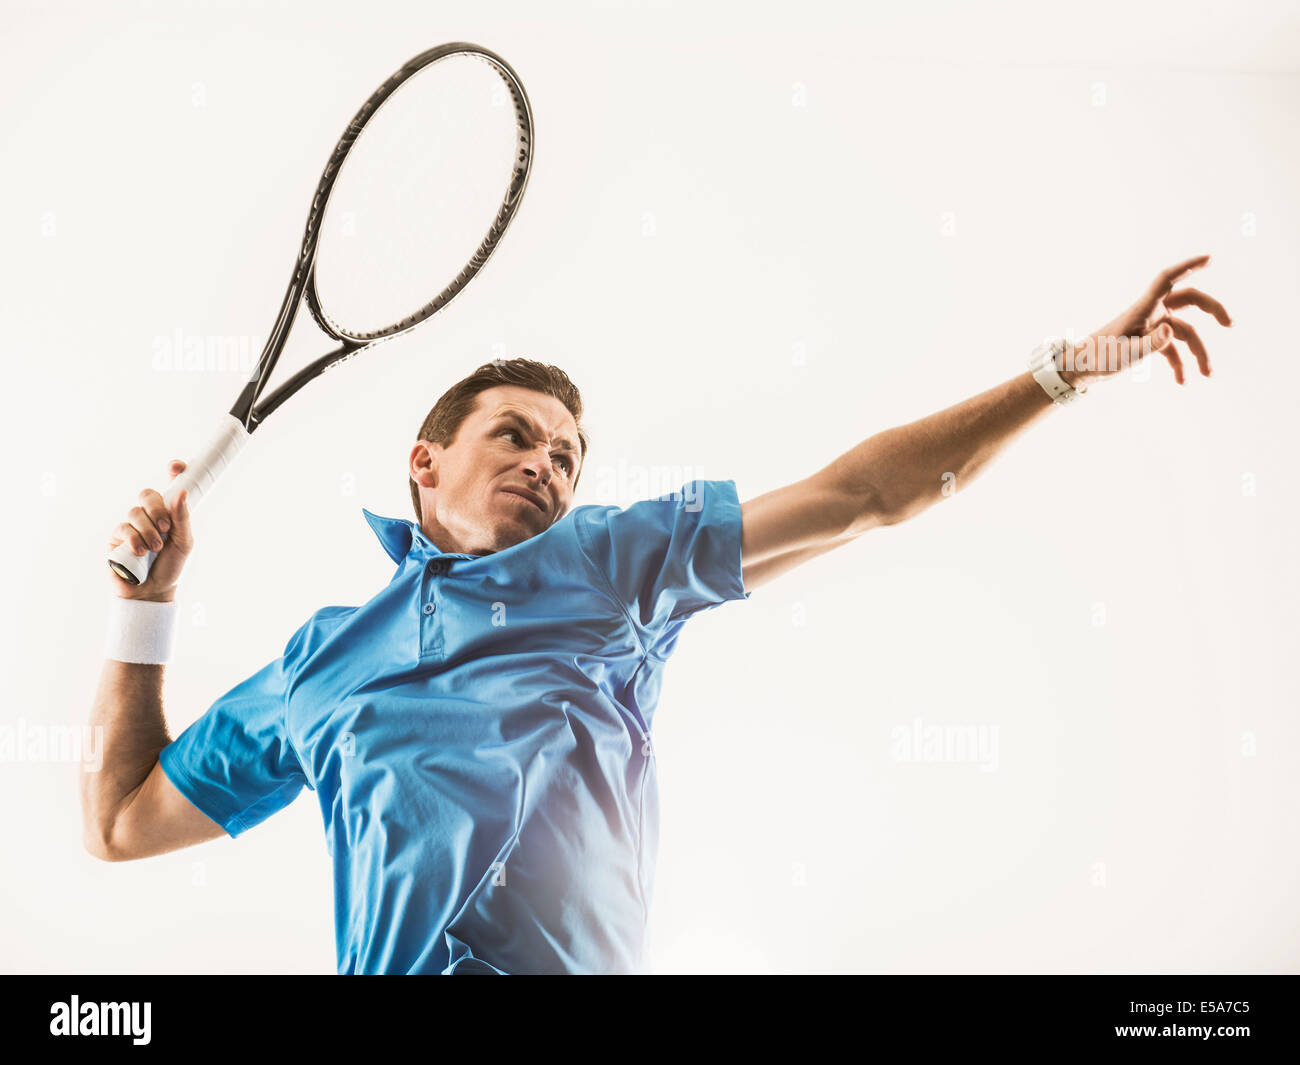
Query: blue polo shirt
{"points": [[478, 738]]}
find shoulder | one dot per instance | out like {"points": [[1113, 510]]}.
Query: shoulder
{"points": [[670, 556], [697, 502]]}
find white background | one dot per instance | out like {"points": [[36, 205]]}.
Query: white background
{"points": [[755, 235]]}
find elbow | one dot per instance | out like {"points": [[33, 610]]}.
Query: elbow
{"points": [[96, 849], [905, 508], [875, 513], [896, 515], [96, 832], [98, 843]]}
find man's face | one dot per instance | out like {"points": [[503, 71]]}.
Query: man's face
{"points": [[474, 492]]}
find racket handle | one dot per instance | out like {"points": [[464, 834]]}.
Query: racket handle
{"points": [[197, 477]]}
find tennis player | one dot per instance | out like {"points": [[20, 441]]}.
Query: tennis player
{"points": [[478, 734]]}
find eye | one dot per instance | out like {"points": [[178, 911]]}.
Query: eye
{"points": [[568, 463]]}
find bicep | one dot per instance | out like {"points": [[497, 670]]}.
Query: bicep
{"points": [[157, 819], [798, 522]]}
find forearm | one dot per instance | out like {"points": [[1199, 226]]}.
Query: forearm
{"points": [[127, 716], [911, 467]]}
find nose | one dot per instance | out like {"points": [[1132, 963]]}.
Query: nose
{"points": [[540, 466]]}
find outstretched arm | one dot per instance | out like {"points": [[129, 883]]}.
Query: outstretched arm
{"points": [[900, 472]]}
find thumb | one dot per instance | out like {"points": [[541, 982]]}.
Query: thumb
{"points": [[181, 534]]}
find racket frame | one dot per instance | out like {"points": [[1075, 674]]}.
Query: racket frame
{"points": [[247, 407]]}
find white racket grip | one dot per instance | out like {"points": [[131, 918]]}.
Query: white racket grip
{"points": [[198, 478]]}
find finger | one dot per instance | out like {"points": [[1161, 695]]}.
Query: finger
{"points": [[1187, 335], [1170, 352], [181, 536], [139, 519], [1197, 298], [1161, 339], [156, 509], [128, 534], [180, 522], [1167, 278]]}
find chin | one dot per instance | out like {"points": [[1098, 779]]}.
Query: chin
{"points": [[508, 533]]}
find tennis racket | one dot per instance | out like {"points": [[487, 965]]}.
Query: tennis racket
{"points": [[427, 158]]}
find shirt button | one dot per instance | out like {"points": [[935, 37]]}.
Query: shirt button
{"points": [[428, 608]]}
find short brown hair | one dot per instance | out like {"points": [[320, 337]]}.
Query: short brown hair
{"points": [[459, 401]]}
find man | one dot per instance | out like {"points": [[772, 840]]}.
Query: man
{"points": [[478, 733]]}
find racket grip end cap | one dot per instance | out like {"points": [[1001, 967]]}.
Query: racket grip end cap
{"points": [[132, 568]]}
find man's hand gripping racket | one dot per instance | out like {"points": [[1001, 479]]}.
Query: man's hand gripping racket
{"points": [[159, 528]]}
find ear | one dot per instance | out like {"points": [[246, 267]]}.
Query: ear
{"points": [[423, 463]]}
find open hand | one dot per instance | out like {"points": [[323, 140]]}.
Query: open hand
{"points": [[1147, 327]]}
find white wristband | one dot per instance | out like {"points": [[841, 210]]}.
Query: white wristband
{"points": [[1045, 365], [140, 631]]}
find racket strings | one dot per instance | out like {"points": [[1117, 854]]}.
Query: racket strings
{"points": [[421, 200]]}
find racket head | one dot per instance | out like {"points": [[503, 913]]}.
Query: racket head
{"points": [[506, 191], [492, 215]]}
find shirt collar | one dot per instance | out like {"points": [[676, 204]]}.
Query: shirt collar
{"points": [[399, 535], [395, 534]]}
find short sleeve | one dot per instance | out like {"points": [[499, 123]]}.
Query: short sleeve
{"points": [[235, 763], [666, 559]]}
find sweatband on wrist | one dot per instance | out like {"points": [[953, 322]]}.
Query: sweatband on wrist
{"points": [[140, 631]]}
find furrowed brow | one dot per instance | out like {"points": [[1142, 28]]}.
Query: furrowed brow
{"points": [[526, 424]]}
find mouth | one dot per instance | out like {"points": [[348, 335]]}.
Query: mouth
{"points": [[525, 495]]}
